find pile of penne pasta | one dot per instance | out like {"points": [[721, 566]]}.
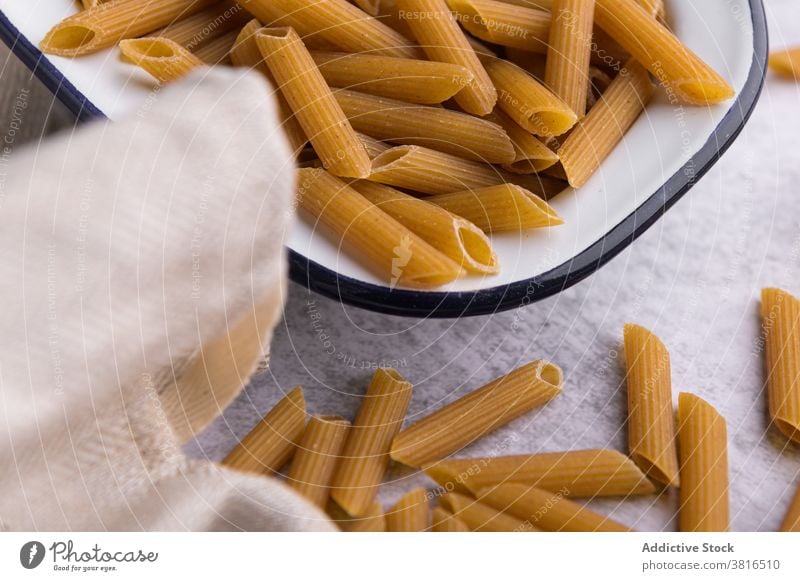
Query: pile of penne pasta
{"points": [[340, 467], [423, 126]]}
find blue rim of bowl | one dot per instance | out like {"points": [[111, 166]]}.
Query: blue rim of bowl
{"points": [[411, 303]]}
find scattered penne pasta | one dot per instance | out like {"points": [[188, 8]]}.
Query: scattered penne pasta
{"points": [[164, 59], [218, 50], [786, 63], [479, 517], [530, 154], [317, 455], [194, 31], [504, 23], [446, 522], [411, 513]]}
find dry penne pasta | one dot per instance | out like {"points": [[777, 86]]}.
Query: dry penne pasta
{"points": [[530, 154], [106, 24], [195, 30], [482, 411], [585, 473], [548, 511], [528, 102], [442, 40], [654, 7], [534, 63], [704, 466], [446, 522], [217, 50], [651, 424], [90, 3], [503, 23], [312, 102], [502, 208], [271, 444], [317, 455], [455, 237], [569, 52], [162, 58], [437, 128], [410, 80], [366, 451], [372, 521], [410, 514], [479, 517], [374, 147], [596, 135], [780, 314], [791, 522], [786, 63], [661, 52], [371, 7], [389, 247]]}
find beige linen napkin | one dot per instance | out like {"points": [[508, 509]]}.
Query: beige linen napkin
{"points": [[141, 273]]}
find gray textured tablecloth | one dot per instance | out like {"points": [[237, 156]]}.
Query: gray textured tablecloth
{"points": [[694, 278]]}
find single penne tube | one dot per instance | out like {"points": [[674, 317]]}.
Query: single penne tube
{"points": [[444, 521], [704, 504], [672, 63], [503, 23], [546, 510], [599, 132], [318, 453], [786, 62], [438, 128], [411, 513], [584, 473], [502, 208], [195, 30], [372, 521], [106, 24], [534, 63], [271, 444], [528, 102], [530, 154], [390, 248], [651, 423], [780, 314], [312, 102], [791, 522], [162, 58], [569, 52], [439, 35], [366, 451], [482, 411], [218, 50], [374, 147], [409, 80], [479, 517], [654, 7], [455, 237]]}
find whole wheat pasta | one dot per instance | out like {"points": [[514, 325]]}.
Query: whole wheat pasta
{"points": [[90, 3], [532, 62], [599, 81], [482, 411], [437, 32], [410, 514], [317, 455], [106, 24], [271, 444], [549, 511], [371, 7], [479, 517], [374, 147], [569, 52], [484, 53], [780, 313], [530, 154], [502, 208], [654, 7], [704, 504], [584, 473], [218, 50], [390, 248], [651, 424], [503, 23], [661, 52], [162, 58], [195, 30], [786, 63], [372, 521], [597, 134], [438, 128], [366, 452], [309, 97], [791, 522], [409, 80], [528, 102], [457, 238], [445, 521]]}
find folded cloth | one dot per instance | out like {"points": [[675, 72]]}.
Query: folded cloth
{"points": [[142, 272]]}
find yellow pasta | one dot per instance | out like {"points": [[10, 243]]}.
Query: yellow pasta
{"points": [[373, 521], [479, 517], [653, 7], [456, 238], [661, 52], [164, 59], [440, 37], [791, 522], [434, 127], [583, 473], [371, 7], [195, 30], [271, 444], [106, 24], [651, 424], [569, 52], [530, 154], [218, 50], [366, 452], [597, 134], [309, 97], [503, 23], [446, 522], [780, 313], [374, 147], [786, 63], [548, 511], [390, 248], [502, 208], [410, 514], [317, 455], [410, 80], [704, 466], [482, 411], [528, 102], [90, 3], [532, 62]]}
